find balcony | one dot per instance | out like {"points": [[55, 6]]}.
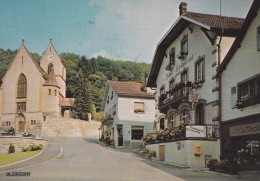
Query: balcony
{"points": [[177, 94]]}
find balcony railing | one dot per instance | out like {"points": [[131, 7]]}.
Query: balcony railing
{"points": [[176, 93]]}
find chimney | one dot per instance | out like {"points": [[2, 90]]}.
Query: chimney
{"points": [[183, 8]]}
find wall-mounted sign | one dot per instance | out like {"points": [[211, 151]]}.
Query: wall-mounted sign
{"points": [[196, 131], [197, 150], [245, 129], [194, 97]]}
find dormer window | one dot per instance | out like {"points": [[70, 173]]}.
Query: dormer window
{"points": [[184, 45]]}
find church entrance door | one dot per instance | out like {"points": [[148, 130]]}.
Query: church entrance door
{"points": [[20, 122]]}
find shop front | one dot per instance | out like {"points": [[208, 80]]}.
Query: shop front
{"points": [[241, 142]]}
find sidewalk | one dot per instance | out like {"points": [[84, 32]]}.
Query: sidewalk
{"points": [[50, 152]]}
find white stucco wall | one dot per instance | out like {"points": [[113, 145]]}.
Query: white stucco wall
{"points": [[185, 156], [244, 64]]}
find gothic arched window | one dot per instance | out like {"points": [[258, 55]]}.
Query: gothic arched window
{"points": [[22, 86], [50, 68]]}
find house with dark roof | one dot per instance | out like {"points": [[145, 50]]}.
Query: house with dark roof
{"points": [[187, 94], [239, 77], [32, 90], [129, 113]]}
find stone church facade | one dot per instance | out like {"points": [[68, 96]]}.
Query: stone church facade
{"points": [[31, 92]]}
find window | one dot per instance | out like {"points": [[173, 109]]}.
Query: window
{"points": [[200, 71], [172, 57], [199, 114], [249, 92], [184, 45], [7, 123], [162, 90], [137, 132], [22, 86], [258, 38], [33, 122], [107, 99], [139, 107], [21, 106], [171, 83], [112, 94], [49, 91], [184, 116], [184, 76], [50, 68], [55, 92], [162, 124]]}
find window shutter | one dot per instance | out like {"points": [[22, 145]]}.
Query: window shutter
{"points": [[233, 96]]}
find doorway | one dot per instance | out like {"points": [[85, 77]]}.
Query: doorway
{"points": [[162, 152], [120, 135], [20, 122]]}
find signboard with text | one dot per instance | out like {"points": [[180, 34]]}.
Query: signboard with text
{"points": [[194, 131], [247, 129]]}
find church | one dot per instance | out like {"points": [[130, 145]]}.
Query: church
{"points": [[32, 91]]}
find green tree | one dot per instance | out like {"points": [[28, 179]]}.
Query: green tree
{"points": [[83, 102]]}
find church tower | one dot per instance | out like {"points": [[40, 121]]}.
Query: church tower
{"points": [[51, 62]]}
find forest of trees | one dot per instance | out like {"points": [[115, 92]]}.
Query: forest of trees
{"points": [[96, 70]]}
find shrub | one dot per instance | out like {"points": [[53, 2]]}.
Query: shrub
{"points": [[11, 148], [23, 149], [33, 147]]}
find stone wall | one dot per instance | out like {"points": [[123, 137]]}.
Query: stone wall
{"points": [[18, 142]]}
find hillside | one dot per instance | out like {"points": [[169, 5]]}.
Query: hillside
{"points": [[96, 70]]}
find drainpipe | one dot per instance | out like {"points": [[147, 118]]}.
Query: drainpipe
{"points": [[219, 95]]}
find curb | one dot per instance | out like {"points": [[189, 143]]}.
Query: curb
{"points": [[25, 159], [60, 154]]}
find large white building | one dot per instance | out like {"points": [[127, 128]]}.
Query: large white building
{"points": [[187, 93], [129, 112], [239, 75]]}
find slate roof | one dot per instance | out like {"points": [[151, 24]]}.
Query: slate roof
{"points": [[129, 89], [249, 18], [66, 102], [221, 25]]}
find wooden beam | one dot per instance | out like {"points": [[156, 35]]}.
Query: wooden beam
{"points": [[211, 39], [190, 28]]}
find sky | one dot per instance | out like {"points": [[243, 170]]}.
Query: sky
{"points": [[116, 29]]}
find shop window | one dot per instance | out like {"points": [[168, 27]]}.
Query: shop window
{"points": [[199, 112], [137, 132], [249, 92], [21, 106], [184, 76], [258, 38], [200, 70], [162, 124], [33, 122], [139, 107], [184, 45], [7, 123]]}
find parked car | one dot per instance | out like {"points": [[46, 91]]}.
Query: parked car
{"points": [[26, 134], [7, 132], [2, 132]]}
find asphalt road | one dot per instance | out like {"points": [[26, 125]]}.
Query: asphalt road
{"points": [[85, 159]]}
